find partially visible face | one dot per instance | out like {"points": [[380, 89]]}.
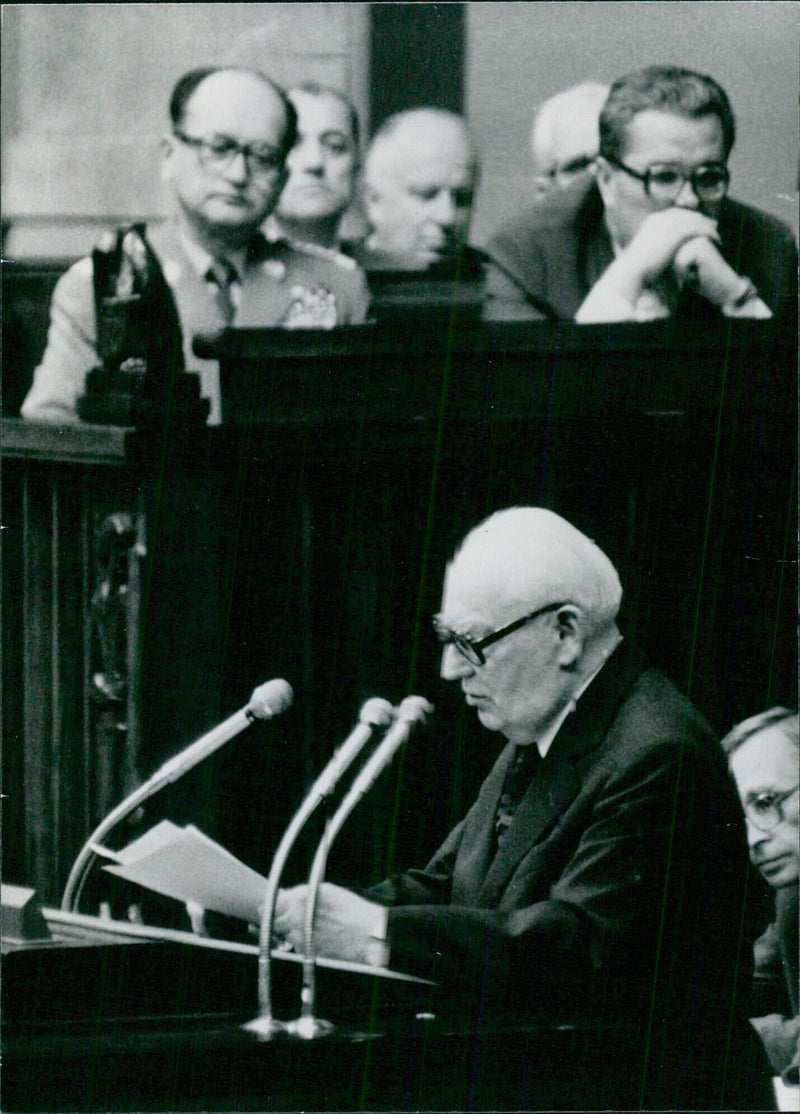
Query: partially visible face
{"points": [[323, 163], [234, 201], [521, 686], [567, 155], [419, 194], [767, 763], [658, 137]]}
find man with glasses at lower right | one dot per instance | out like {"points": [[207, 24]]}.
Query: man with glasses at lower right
{"points": [[658, 235], [763, 753]]}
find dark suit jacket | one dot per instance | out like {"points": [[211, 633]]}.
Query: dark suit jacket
{"points": [[776, 954], [618, 892], [556, 250]]}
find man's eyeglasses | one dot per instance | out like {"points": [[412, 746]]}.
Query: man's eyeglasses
{"points": [[765, 811], [217, 154], [663, 182], [473, 649]]}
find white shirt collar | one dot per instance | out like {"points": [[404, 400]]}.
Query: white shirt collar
{"points": [[272, 231], [201, 260]]}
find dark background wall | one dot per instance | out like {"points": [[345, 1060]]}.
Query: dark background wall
{"points": [[416, 57]]}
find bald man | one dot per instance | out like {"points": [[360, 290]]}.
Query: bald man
{"points": [[763, 756], [565, 137], [223, 166], [599, 873], [420, 176], [565, 140]]}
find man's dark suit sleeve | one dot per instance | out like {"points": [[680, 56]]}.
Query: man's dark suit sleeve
{"points": [[621, 893], [761, 247]]}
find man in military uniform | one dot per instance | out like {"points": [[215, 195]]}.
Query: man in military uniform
{"points": [[224, 164]]}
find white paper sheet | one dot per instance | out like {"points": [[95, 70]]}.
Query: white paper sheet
{"points": [[185, 864]]}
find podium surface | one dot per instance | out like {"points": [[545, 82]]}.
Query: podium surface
{"points": [[99, 1019]]}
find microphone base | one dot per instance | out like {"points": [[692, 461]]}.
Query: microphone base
{"points": [[268, 1028], [310, 1028]]}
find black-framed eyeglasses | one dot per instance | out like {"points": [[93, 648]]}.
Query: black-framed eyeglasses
{"points": [[217, 154], [765, 811], [472, 649], [663, 182]]}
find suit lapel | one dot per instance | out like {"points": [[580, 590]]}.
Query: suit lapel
{"points": [[580, 249], [595, 251], [477, 843], [558, 780], [546, 799]]}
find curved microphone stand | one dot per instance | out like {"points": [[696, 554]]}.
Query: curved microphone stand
{"points": [[375, 713], [413, 711], [268, 700]]}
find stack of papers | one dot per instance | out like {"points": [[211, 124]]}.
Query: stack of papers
{"points": [[185, 864]]}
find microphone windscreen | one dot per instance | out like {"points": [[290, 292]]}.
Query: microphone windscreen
{"points": [[271, 699], [414, 709], [376, 712]]}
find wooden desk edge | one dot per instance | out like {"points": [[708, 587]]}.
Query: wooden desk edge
{"points": [[77, 443]]}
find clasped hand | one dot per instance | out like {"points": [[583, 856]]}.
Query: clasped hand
{"points": [[672, 247], [658, 239]]}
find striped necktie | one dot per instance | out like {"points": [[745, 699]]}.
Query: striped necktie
{"points": [[221, 275], [521, 771]]}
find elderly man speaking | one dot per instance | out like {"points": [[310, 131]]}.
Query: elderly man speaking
{"points": [[600, 873]]}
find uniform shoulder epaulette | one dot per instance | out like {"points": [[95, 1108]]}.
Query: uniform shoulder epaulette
{"points": [[331, 254]]}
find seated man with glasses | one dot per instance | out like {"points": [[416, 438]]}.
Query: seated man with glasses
{"points": [[224, 166], [763, 754], [657, 234], [600, 873]]}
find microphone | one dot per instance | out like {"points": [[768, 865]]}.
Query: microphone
{"points": [[412, 711], [376, 712], [268, 700]]}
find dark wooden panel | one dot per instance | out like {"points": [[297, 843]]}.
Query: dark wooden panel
{"points": [[56, 496], [27, 289], [156, 1026]]}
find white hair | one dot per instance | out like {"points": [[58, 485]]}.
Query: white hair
{"points": [[413, 127], [530, 557], [576, 106]]}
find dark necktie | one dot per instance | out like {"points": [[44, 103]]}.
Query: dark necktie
{"points": [[221, 275], [521, 771]]}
